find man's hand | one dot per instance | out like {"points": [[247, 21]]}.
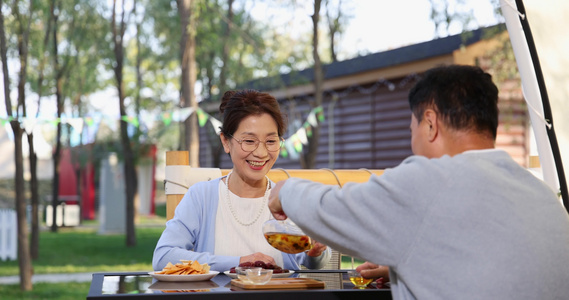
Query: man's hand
{"points": [[370, 270], [275, 203], [317, 249]]}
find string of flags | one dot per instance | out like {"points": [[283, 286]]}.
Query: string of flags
{"points": [[293, 145]]}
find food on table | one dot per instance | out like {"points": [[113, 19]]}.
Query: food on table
{"points": [[260, 264], [381, 283], [186, 267], [359, 281], [289, 243]]}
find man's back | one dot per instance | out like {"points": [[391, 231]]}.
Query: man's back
{"points": [[492, 232], [458, 220]]}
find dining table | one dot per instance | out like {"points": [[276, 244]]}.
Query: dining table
{"points": [[334, 284]]}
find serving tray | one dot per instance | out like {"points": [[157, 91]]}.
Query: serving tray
{"points": [[281, 283]]}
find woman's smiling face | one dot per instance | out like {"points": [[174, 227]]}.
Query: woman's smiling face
{"points": [[253, 165]]}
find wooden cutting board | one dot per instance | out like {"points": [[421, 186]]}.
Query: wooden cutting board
{"points": [[281, 283]]}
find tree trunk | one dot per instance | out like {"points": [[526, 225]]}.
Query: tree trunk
{"points": [[334, 27], [34, 244], [24, 260], [310, 155], [131, 180], [225, 53], [189, 75], [56, 160], [59, 103], [33, 159], [23, 52], [138, 68], [216, 149]]}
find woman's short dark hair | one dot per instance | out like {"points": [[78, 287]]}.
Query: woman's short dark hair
{"points": [[464, 96], [237, 105]]}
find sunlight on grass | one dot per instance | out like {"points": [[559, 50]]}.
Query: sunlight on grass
{"points": [[83, 250], [59, 291], [346, 262]]}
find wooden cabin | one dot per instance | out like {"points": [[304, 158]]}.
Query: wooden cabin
{"points": [[366, 113]]}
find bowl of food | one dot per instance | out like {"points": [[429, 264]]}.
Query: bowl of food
{"points": [[286, 236], [242, 273], [239, 271], [358, 280], [259, 276]]}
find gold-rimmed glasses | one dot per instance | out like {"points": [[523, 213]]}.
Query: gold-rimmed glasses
{"points": [[251, 144]]}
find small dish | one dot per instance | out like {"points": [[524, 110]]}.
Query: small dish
{"points": [[242, 273], [259, 276], [275, 275], [357, 279]]}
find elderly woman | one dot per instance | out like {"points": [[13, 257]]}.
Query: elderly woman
{"points": [[219, 222]]}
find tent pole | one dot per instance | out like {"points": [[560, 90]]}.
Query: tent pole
{"points": [[546, 105]]}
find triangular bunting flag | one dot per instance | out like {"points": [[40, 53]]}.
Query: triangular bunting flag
{"points": [[301, 135], [182, 114], [202, 117], [319, 111], [4, 121], [76, 123], [311, 119], [89, 121], [216, 124], [131, 120], [167, 118], [28, 124]]}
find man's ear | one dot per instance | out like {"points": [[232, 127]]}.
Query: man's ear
{"points": [[430, 117]]}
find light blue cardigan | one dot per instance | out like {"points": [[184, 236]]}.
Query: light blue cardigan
{"points": [[190, 234]]}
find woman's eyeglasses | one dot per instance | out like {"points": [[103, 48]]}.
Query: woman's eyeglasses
{"points": [[251, 144]]}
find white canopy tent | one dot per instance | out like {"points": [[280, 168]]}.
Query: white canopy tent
{"points": [[544, 70]]}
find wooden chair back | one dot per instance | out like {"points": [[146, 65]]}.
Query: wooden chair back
{"points": [[326, 176]]}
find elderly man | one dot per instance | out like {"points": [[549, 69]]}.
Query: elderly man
{"points": [[457, 220]]}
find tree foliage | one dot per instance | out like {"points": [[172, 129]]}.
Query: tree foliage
{"points": [[72, 61]]}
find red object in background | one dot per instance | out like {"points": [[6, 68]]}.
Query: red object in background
{"points": [[68, 182], [67, 177], [88, 192]]}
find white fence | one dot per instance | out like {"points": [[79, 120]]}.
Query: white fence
{"points": [[8, 234]]}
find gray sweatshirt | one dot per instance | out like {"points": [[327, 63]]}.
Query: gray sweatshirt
{"points": [[472, 226]]}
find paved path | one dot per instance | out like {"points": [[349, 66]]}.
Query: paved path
{"points": [[53, 278]]}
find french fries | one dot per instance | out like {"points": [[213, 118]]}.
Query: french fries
{"points": [[186, 267]]}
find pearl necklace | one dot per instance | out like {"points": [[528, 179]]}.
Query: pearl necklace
{"points": [[265, 198]]}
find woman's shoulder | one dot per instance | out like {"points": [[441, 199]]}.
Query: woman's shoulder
{"points": [[201, 194], [206, 184], [203, 189]]}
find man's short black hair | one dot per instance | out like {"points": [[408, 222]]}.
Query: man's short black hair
{"points": [[464, 97]]}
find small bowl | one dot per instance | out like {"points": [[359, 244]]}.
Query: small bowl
{"points": [[357, 279], [259, 276], [242, 273], [286, 236]]}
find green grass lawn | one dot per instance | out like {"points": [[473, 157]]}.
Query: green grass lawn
{"points": [[346, 262], [55, 291], [77, 250], [74, 250]]}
